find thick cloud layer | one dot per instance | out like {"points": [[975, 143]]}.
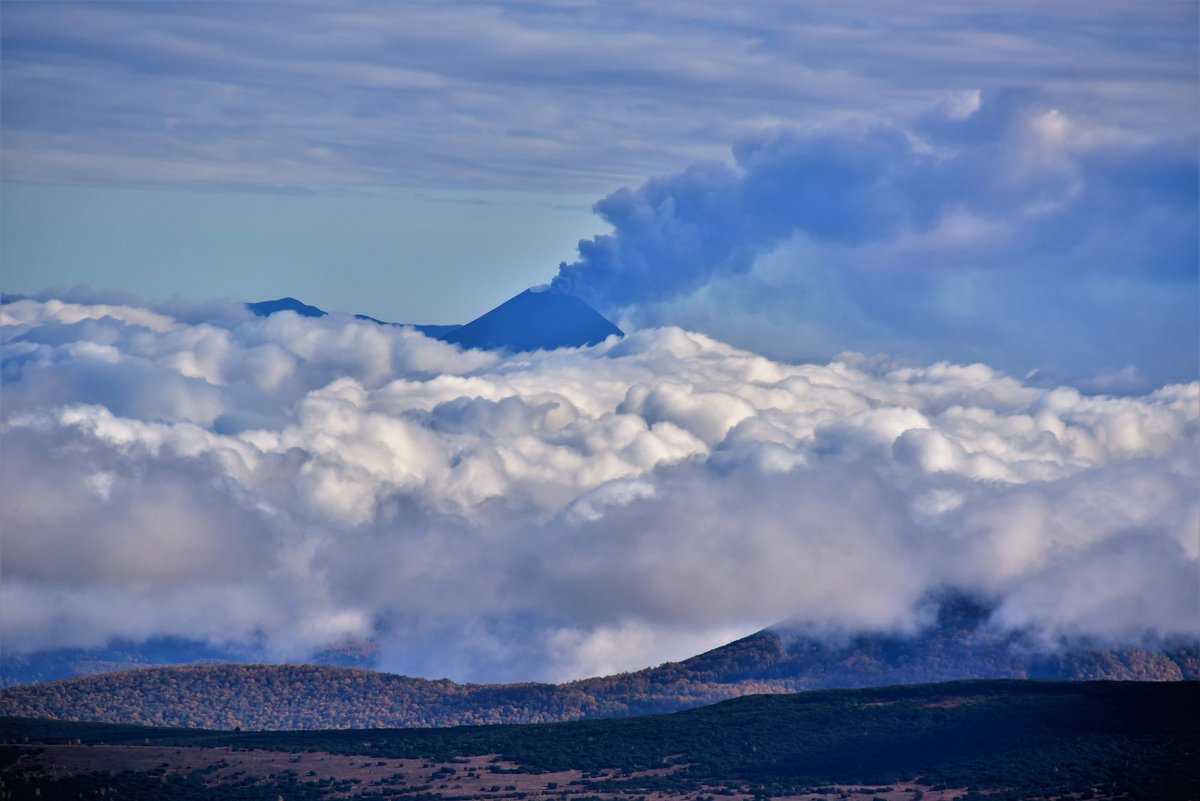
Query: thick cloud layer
{"points": [[294, 483], [1000, 227]]}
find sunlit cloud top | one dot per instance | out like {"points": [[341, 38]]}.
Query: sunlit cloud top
{"points": [[291, 483]]}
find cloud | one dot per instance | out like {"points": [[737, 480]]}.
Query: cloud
{"points": [[532, 95], [289, 483], [1007, 230], [675, 234], [917, 180]]}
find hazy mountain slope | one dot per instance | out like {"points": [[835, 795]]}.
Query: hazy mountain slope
{"points": [[69, 663], [533, 320], [999, 740], [66, 663], [432, 330], [771, 661], [266, 308]]}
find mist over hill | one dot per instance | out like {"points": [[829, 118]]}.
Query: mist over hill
{"points": [[778, 660]]}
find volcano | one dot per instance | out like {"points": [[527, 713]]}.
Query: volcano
{"points": [[536, 319]]}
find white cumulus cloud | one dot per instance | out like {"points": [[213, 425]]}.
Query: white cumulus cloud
{"points": [[293, 482]]}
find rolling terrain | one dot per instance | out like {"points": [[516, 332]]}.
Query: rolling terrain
{"points": [[958, 646], [997, 740]]}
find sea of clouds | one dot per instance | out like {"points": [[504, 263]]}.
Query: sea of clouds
{"points": [[292, 483]]}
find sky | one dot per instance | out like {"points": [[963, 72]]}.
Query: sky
{"points": [[995, 174], [911, 291]]}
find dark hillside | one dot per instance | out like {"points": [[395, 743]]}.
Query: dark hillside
{"points": [[999, 740]]}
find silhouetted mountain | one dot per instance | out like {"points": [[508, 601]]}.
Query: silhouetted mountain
{"points": [[535, 320], [775, 660], [266, 308]]}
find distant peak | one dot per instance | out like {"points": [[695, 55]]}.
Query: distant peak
{"points": [[537, 319], [540, 318], [266, 308]]}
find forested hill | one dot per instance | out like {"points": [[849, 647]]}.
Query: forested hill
{"points": [[993, 741], [310, 697]]}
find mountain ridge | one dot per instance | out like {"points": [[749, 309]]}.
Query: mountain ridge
{"points": [[535, 319], [771, 661], [266, 308]]}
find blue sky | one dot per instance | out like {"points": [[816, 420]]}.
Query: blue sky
{"points": [[424, 161]]}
